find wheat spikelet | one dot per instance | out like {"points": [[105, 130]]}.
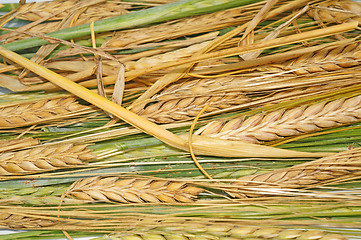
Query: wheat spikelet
{"points": [[115, 189], [185, 100], [44, 158], [284, 123], [35, 112], [325, 170], [225, 231], [13, 221]]}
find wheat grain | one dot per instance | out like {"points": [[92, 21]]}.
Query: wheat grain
{"points": [[284, 123], [184, 101], [115, 189], [343, 165], [43, 158], [35, 112]]}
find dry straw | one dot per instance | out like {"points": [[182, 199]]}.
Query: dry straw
{"points": [[41, 111], [44, 158], [286, 122], [133, 190]]}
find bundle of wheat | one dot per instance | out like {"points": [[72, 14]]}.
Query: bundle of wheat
{"points": [[191, 119]]}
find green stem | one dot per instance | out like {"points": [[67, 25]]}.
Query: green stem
{"points": [[156, 14]]}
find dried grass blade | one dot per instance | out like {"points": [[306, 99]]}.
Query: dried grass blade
{"points": [[11, 83], [15, 144], [273, 35], [247, 36]]}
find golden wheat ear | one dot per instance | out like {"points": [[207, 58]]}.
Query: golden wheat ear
{"points": [[36, 112], [286, 122], [14, 221], [227, 232], [44, 158], [335, 168], [133, 190], [184, 101]]}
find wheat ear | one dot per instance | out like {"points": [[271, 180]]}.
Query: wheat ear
{"points": [[336, 11], [333, 168], [35, 112], [325, 60], [14, 221], [188, 26], [115, 189], [97, 10], [184, 101], [44, 158], [229, 233], [284, 123]]}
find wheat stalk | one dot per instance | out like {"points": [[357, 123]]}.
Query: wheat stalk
{"points": [[115, 189], [334, 168], [44, 158], [40, 111], [184, 101], [283, 123]]}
